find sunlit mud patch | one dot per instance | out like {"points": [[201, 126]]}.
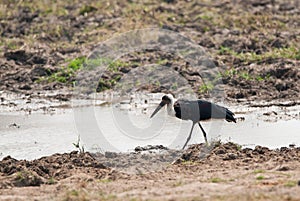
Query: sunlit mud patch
{"points": [[142, 160]]}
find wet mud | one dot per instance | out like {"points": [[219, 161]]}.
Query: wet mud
{"points": [[257, 61], [261, 168]]}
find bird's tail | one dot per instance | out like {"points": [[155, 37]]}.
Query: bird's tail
{"points": [[230, 116]]}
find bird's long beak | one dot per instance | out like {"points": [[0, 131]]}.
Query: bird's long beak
{"points": [[162, 103]]}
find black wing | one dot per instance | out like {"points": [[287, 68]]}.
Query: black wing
{"points": [[201, 110]]}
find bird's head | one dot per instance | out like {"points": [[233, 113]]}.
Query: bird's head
{"points": [[165, 100]]}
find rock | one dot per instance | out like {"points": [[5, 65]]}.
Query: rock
{"points": [[230, 156], [124, 70], [25, 87], [150, 147], [286, 7], [292, 145], [283, 149], [260, 149], [270, 113], [13, 125], [138, 148], [247, 160], [220, 151], [283, 168], [280, 86], [256, 3]]}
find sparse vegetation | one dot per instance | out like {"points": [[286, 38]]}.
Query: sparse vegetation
{"points": [[258, 171], [178, 183], [66, 73], [27, 178], [79, 195], [98, 62], [78, 146], [76, 63], [205, 88], [260, 177], [174, 86], [237, 37], [287, 53], [114, 66], [87, 9], [51, 181], [232, 73], [162, 61], [216, 180], [105, 84], [290, 184]]}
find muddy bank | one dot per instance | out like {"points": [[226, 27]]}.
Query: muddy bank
{"points": [[255, 45], [48, 170], [61, 166], [220, 171]]}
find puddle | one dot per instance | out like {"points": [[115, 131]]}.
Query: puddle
{"points": [[127, 125], [36, 135]]}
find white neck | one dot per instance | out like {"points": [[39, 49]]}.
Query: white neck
{"points": [[170, 108]]}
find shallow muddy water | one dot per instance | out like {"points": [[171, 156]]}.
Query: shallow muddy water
{"points": [[122, 127]]}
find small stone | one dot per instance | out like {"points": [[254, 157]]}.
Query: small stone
{"points": [[283, 149], [230, 156], [283, 168], [124, 70], [73, 153], [292, 145], [261, 150], [246, 160], [270, 113], [138, 148], [220, 151], [25, 87], [13, 125]]}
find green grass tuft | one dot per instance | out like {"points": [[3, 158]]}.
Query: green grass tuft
{"points": [[216, 180], [258, 171], [290, 184], [66, 73], [86, 9], [276, 53], [260, 177], [205, 88], [77, 63]]}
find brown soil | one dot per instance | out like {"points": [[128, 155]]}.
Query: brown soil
{"points": [[258, 40], [226, 172]]}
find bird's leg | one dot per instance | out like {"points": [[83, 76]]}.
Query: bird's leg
{"points": [[204, 133], [188, 139]]}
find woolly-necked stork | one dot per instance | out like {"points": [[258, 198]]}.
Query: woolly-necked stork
{"points": [[195, 110]]}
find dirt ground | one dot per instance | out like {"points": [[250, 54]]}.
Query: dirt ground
{"points": [[226, 173], [254, 43]]}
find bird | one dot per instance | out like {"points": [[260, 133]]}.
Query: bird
{"points": [[194, 110]]}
